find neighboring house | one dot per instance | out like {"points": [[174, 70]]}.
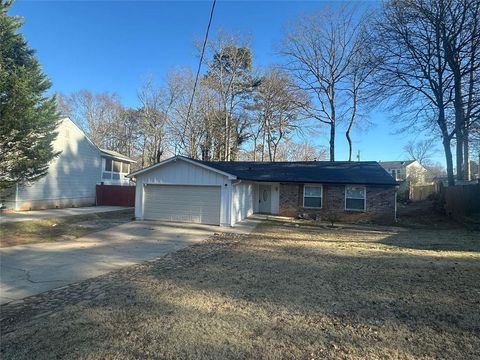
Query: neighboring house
{"points": [[407, 173], [223, 193], [73, 175]]}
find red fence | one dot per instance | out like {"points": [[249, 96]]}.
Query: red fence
{"points": [[115, 195]]}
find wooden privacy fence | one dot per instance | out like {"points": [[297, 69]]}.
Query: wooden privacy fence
{"points": [[422, 192], [115, 195], [462, 200]]}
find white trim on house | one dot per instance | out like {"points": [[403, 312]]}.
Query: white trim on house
{"points": [[179, 157], [364, 198], [321, 196]]}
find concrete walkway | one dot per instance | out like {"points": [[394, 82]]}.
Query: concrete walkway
{"points": [[52, 213], [31, 269]]}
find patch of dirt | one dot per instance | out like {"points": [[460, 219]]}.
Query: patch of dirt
{"points": [[279, 293]]}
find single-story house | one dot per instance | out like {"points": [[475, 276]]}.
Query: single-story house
{"points": [[73, 175], [224, 193]]}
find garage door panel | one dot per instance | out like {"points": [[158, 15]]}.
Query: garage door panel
{"points": [[197, 204]]}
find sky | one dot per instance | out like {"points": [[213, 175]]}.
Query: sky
{"points": [[112, 46]]}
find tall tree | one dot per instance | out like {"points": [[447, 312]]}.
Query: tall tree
{"points": [[28, 117], [229, 74], [319, 49], [412, 73], [98, 115], [460, 33], [277, 110]]}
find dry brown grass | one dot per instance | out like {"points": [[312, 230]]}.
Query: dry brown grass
{"points": [[281, 293], [61, 228]]}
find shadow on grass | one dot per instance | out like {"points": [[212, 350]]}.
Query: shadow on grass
{"points": [[272, 295]]}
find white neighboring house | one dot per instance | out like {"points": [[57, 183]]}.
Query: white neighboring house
{"points": [[73, 175], [407, 173]]}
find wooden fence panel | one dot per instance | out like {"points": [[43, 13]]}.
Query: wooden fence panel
{"points": [[115, 195], [421, 192], [462, 200]]}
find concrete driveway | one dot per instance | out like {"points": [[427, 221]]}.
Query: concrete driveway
{"points": [[31, 269], [54, 213]]}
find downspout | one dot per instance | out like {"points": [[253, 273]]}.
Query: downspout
{"points": [[396, 192], [16, 196]]}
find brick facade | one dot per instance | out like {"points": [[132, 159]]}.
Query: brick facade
{"points": [[380, 205]]}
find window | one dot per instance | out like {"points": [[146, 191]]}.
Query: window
{"points": [[355, 197], [125, 168], [312, 196], [117, 166], [108, 164]]}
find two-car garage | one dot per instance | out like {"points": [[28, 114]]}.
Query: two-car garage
{"points": [[183, 203]]}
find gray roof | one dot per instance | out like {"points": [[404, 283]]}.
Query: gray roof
{"points": [[338, 172], [116, 155], [396, 164]]}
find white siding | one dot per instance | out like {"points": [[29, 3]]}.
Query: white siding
{"points": [[181, 172], [242, 201], [71, 177]]}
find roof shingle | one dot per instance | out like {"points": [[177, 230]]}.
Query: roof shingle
{"points": [[340, 172]]}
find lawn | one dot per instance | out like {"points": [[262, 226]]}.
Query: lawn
{"points": [[285, 291], [61, 228]]}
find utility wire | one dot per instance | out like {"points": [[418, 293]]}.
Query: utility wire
{"points": [[201, 60]]}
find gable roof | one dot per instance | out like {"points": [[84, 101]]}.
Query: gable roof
{"points": [[338, 172], [105, 152], [396, 164], [183, 158], [115, 155]]}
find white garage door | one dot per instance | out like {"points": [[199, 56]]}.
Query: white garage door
{"points": [[196, 204]]}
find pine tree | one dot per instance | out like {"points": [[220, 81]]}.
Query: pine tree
{"points": [[28, 117]]}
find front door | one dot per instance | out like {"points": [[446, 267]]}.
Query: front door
{"points": [[264, 201]]}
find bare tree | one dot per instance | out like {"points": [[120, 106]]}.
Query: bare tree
{"points": [[319, 49], [301, 150], [229, 74], [412, 72], [98, 115], [278, 111], [460, 33], [421, 151]]}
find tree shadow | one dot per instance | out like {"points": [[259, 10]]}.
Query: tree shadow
{"points": [[276, 296]]}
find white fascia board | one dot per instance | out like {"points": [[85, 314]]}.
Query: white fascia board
{"points": [[178, 157]]}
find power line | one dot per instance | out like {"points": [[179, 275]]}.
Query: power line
{"points": [[201, 59]]}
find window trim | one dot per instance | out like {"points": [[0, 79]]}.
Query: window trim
{"points": [[122, 176], [321, 196], [364, 199]]}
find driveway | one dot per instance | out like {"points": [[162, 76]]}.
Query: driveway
{"points": [[54, 213], [31, 269]]}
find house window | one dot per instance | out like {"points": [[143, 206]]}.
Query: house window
{"points": [[108, 164], [117, 166], [312, 196], [355, 198], [125, 168]]}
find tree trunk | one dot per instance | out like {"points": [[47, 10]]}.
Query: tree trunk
{"points": [[350, 125], [466, 155], [459, 129], [449, 161], [332, 141]]}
